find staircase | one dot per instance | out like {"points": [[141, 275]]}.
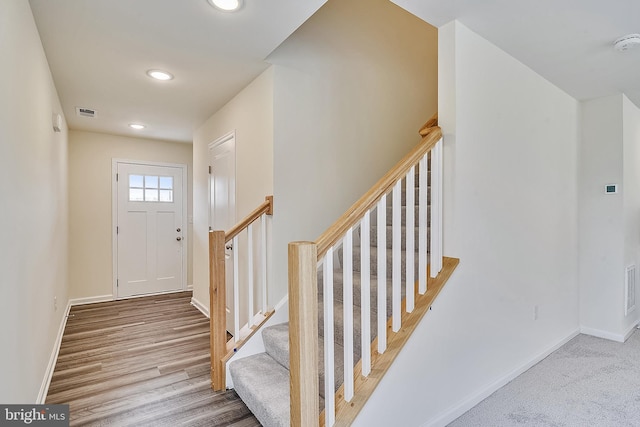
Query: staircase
{"points": [[262, 380], [355, 296]]}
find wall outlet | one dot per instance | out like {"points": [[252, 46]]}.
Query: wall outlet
{"points": [[535, 312]]}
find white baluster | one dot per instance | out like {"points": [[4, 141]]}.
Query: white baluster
{"points": [[329, 357], [410, 227], [263, 260], [422, 227], [396, 271], [236, 292], [440, 205], [382, 273], [347, 299], [250, 312], [365, 293]]}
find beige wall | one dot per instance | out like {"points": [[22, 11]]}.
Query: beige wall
{"points": [[33, 186], [352, 87], [90, 199], [250, 114]]}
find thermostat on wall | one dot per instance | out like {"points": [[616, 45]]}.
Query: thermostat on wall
{"points": [[611, 189]]}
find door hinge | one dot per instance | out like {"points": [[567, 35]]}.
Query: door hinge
{"points": [[117, 176], [209, 170], [117, 283], [117, 230]]}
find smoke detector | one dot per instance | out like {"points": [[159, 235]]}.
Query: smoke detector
{"points": [[627, 42], [86, 112]]}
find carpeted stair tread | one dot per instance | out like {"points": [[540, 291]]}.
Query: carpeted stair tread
{"points": [[276, 342], [263, 385]]}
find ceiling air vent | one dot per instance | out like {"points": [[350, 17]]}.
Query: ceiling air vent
{"points": [[86, 112]]}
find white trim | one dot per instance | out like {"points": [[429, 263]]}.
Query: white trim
{"points": [[456, 411], [201, 307], [114, 218], [598, 333], [91, 300], [48, 374]]}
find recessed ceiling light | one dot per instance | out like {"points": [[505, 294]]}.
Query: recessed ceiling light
{"points": [[627, 42], [226, 5], [159, 75], [136, 126]]}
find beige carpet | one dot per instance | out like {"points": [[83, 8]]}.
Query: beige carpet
{"points": [[587, 382]]}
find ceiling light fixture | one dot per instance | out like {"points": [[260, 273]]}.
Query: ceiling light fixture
{"points": [[136, 126], [226, 5], [159, 75], [627, 42]]}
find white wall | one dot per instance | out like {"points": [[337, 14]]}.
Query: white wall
{"points": [[90, 200], [33, 250], [609, 229], [631, 192], [250, 114], [510, 207], [601, 218], [352, 87]]}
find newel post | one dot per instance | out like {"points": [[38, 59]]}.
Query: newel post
{"points": [[217, 313], [303, 334]]}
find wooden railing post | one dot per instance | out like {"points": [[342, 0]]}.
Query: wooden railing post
{"points": [[303, 334], [217, 313]]}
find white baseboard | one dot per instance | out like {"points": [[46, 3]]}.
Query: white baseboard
{"points": [[48, 374], [203, 308], [599, 333], [456, 411], [90, 300]]}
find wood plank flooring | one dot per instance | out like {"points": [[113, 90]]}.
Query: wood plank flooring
{"points": [[141, 362]]}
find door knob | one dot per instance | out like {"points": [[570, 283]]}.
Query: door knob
{"points": [[178, 238]]}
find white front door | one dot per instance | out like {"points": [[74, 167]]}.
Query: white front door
{"points": [[222, 200], [150, 231]]}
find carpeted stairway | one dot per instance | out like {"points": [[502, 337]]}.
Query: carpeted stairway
{"points": [[262, 380]]}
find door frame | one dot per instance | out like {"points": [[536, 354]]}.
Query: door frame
{"points": [[114, 219], [229, 136]]}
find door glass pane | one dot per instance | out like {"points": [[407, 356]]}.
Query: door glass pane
{"points": [[150, 181], [151, 195], [166, 182], [135, 181], [135, 195], [166, 195]]}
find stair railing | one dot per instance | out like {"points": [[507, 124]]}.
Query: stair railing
{"points": [[305, 258], [256, 311]]}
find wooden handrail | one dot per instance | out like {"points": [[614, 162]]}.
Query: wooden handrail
{"points": [[355, 213], [217, 291], [265, 208], [427, 127]]}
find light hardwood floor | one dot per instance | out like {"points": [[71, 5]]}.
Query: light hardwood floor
{"points": [[141, 362]]}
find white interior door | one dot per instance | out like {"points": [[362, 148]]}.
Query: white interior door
{"points": [[222, 202], [150, 231]]}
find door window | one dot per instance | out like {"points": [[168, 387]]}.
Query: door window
{"points": [[150, 188]]}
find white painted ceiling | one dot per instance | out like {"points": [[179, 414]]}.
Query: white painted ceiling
{"points": [[568, 42], [100, 50]]}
